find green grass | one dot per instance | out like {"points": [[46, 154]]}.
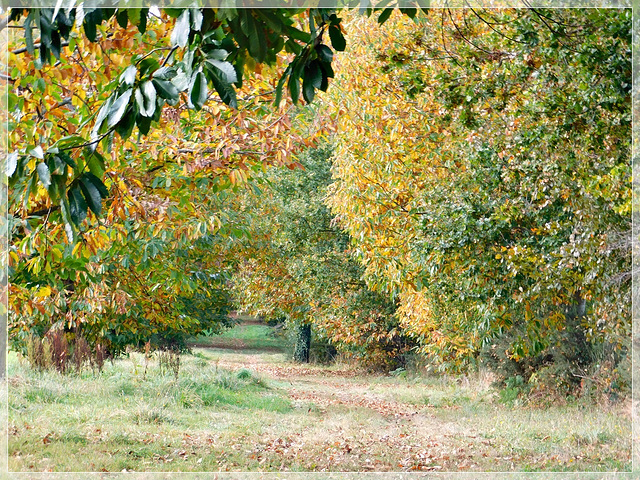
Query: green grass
{"points": [[246, 337], [297, 418], [124, 418]]}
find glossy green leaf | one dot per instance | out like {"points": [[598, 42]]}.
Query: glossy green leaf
{"points": [[294, 88], [37, 152], [123, 17], [196, 19], [118, 108], [226, 70], [217, 54], [198, 92], [384, 16], [180, 34], [128, 77], [324, 53], [165, 73], [225, 90], [337, 39], [12, 163], [91, 194], [102, 115], [77, 205], [165, 89], [102, 189], [44, 174], [146, 99]]}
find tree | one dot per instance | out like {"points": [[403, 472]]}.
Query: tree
{"points": [[79, 180], [502, 206], [298, 265], [114, 268]]}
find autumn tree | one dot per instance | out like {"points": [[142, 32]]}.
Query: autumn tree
{"points": [[297, 264], [485, 179], [116, 133], [102, 238]]}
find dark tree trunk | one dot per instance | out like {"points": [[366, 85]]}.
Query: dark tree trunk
{"points": [[303, 343], [577, 309]]}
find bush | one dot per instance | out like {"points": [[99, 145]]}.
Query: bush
{"points": [[570, 366]]}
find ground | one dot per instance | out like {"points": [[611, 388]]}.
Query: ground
{"points": [[239, 404]]}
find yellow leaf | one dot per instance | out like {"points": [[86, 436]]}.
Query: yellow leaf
{"points": [[43, 292]]}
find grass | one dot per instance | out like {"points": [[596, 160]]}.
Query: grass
{"points": [[249, 336], [251, 410], [105, 421]]}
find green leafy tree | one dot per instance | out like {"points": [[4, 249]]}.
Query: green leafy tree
{"points": [[502, 214], [298, 265]]}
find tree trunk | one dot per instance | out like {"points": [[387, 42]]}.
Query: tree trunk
{"points": [[577, 309], [303, 343]]}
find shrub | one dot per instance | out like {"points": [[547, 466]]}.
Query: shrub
{"points": [[571, 365]]}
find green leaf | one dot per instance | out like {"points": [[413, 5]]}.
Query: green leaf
{"points": [[77, 206], [56, 44], [44, 174], [144, 124], [91, 194], [57, 187], [66, 158], [165, 73], [272, 19], [328, 70], [122, 17], [217, 54], [181, 81], [102, 189], [128, 77], [147, 65], [409, 12], [69, 141], [324, 53], [96, 163], [116, 112], [165, 89], [12, 163], [57, 166], [28, 33], [225, 68], [198, 92], [225, 90], [280, 86], [384, 16], [180, 34], [294, 88], [312, 80], [69, 225], [296, 34], [308, 91], [196, 19], [142, 25], [134, 15], [102, 114], [257, 44], [124, 128], [91, 20], [148, 93], [37, 152], [337, 39]]}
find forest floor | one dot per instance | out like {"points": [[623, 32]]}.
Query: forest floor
{"points": [[239, 405]]}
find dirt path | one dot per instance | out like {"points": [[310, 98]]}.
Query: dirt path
{"points": [[357, 428], [323, 387], [345, 420]]}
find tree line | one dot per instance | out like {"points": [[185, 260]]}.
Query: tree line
{"points": [[471, 204]]}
